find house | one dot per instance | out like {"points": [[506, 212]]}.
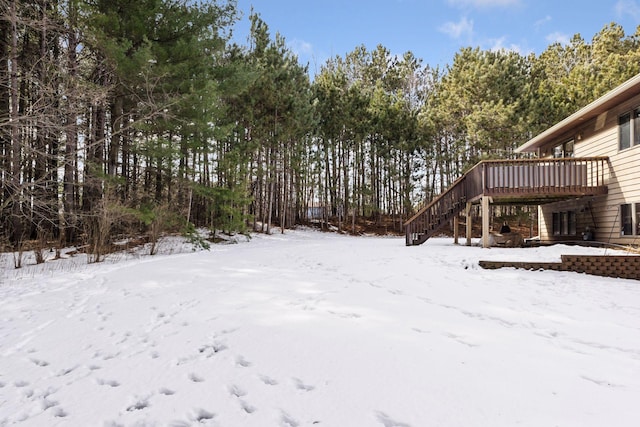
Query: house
{"points": [[608, 127], [585, 179]]}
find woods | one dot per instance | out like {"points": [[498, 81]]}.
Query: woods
{"points": [[129, 119]]}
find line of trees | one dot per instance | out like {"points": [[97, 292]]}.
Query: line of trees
{"points": [[121, 117]]}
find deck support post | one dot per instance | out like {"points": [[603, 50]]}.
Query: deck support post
{"points": [[486, 204], [469, 224], [456, 224]]}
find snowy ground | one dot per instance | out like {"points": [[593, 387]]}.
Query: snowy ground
{"points": [[307, 329]]}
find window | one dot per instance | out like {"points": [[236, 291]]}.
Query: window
{"points": [[626, 218], [563, 150], [564, 223], [629, 128], [556, 224], [573, 223], [630, 219]]}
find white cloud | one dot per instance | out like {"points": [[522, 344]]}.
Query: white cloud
{"points": [[628, 8], [484, 3], [456, 30], [558, 37], [498, 45], [301, 47], [540, 22]]}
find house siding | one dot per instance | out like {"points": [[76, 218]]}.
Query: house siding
{"points": [[623, 180]]}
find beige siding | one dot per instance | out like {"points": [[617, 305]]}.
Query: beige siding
{"points": [[623, 181], [583, 209]]}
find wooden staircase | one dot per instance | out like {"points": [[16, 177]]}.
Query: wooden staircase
{"points": [[527, 181], [434, 216]]}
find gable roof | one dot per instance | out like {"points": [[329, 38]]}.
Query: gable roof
{"points": [[620, 94]]}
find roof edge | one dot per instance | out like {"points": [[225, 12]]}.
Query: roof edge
{"points": [[539, 139]]}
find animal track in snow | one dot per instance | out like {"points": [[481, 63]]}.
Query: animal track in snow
{"points": [[46, 404], [345, 315], [249, 409], [199, 415], [196, 378], [225, 332], [39, 362], [166, 391], [138, 405], [287, 421], [210, 349], [241, 361], [302, 386], [388, 422], [459, 339], [105, 356], [66, 371], [237, 391], [59, 413], [268, 380], [603, 383], [110, 383], [21, 383]]}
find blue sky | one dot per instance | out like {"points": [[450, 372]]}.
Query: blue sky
{"points": [[433, 30]]}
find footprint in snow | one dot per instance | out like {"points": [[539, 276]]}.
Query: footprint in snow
{"points": [[225, 332], [302, 386], [388, 422], [46, 404], [268, 380], [344, 315], [138, 405], [196, 378], [110, 383], [60, 413], [199, 415], [287, 421], [166, 391], [241, 361], [66, 371], [211, 349], [236, 391], [39, 362], [249, 409]]}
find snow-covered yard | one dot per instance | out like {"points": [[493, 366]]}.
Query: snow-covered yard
{"points": [[307, 329]]}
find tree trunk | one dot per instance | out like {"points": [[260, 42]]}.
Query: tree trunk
{"points": [[16, 144], [5, 134]]}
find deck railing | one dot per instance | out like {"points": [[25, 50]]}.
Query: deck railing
{"points": [[542, 177], [534, 179]]}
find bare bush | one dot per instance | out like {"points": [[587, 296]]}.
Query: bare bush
{"points": [[97, 227]]}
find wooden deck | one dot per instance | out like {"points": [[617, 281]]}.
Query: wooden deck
{"points": [[534, 181]]}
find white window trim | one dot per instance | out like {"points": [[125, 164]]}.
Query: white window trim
{"points": [[634, 115]]}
